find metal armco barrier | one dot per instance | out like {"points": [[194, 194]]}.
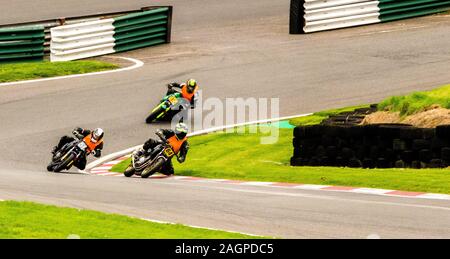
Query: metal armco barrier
{"points": [[83, 40], [143, 29], [22, 44], [106, 36], [320, 15]]}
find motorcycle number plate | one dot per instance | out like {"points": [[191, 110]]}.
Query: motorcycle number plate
{"points": [[82, 146], [173, 100], [169, 152]]}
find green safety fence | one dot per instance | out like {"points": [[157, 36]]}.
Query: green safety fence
{"points": [[334, 13], [22, 44], [391, 10], [144, 29]]}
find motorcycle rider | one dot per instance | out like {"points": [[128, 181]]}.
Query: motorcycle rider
{"points": [[177, 139], [95, 141], [188, 90]]}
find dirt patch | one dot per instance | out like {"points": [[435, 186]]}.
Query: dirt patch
{"points": [[430, 118]]}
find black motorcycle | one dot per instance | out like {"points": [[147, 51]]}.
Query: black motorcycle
{"points": [[146, 164], [66, 157]]}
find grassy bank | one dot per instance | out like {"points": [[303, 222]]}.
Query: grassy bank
{"points": [[417, 102], [31, 220], [37, 70]]}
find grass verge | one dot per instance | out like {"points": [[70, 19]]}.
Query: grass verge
{"points": [[417, 102], [37, 70], [32, 220]]}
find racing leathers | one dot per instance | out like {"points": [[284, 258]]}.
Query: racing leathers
{"points": [[192, 98]]}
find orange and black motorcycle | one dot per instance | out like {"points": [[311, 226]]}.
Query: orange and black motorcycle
{"points": [[145, 165], [70, 153]]}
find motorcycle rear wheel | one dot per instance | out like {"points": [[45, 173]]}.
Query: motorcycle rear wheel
{"points": [[153, 168]]}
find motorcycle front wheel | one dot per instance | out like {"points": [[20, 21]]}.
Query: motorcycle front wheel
{"points": [[153, 168], [129, 171], [50, 167], [154, 115], [64, 163]]}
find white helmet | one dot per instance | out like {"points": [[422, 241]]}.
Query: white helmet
{"points": [[181, 130], [97, 135]]}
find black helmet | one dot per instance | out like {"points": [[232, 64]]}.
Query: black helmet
{"points": [[191, 84], [97, 135], [181, 130]]}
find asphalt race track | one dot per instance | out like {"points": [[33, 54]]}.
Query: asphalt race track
{"points": [[234, 50]]}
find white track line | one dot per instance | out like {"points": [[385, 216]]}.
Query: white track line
{"points": [[102, 168], [112, 163], [108, 174], [435, 196], [258, 183], [371, 191], [137, 64], [311, 187]]}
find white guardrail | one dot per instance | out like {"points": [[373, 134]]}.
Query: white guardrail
{"points": [[82, 40], [333, 14]]}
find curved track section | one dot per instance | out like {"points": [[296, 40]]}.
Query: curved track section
{"points": [[235, 50]]}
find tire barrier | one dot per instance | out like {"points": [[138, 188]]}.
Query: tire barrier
{"points": [[372, 146], [21, 44], [355, 117], [106, 36], [308, 16]]}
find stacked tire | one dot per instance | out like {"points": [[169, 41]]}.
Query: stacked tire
{"points": [[372, 146], [350, 118]]}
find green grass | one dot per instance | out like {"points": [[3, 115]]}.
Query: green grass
{"points": [[37, 70], [417, 102], [242, 157], [318, 117], [31, 220]]}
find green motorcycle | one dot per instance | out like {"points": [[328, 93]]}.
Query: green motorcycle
{"points": [[166, 109]]}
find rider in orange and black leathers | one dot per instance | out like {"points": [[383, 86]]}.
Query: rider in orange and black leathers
{"points": [[177, 139], [79, 133], [188, 90]]}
